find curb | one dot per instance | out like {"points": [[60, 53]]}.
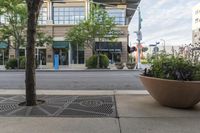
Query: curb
{"points": [[85, 70], [76, 92]]}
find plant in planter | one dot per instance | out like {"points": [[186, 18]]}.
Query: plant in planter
{"points": [[173, 81], [119, 65]]}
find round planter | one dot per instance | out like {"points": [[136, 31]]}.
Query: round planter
{"points": [[119, 65], [130, 66], [173, 93]]}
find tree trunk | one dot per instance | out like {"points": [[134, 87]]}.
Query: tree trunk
{"points": [[17, 56], [33, 7]]}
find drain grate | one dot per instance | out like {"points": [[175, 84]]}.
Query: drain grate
{"points": [[61, 106], [7, 107]]}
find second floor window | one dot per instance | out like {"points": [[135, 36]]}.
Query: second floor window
{"points": [[43, 16], [118, 14], [68, 15]]}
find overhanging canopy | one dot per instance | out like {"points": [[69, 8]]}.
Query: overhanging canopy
{"points": [[131, 4], [3, 45], [60, 44]]}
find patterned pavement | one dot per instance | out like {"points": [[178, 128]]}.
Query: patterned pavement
{"points": [[59, 106]]}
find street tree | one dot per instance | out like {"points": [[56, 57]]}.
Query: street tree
{"points": [[13, 28], [98, 26], [33, 8]]}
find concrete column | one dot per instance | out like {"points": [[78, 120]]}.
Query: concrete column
{"points": [[87, 53], [11, 53], [124, 55], [87, 8], [69, 55]]}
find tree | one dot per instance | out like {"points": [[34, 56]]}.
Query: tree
{"points": [[33, 8], [15, 15], [42, 39], [98, 26]]}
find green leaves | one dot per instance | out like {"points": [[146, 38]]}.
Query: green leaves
{"points": [[42, 39], [174, 68], [97, 26], [16, 16]]}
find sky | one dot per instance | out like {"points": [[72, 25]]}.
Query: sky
{"points": [[170, 20]]}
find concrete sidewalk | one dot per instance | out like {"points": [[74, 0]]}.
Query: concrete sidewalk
{"points": [[137, 111]]}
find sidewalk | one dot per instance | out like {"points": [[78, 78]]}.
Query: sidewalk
{"points": [[137, 111]]}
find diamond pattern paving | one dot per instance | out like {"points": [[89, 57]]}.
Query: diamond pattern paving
{"points": [[60, 106]]}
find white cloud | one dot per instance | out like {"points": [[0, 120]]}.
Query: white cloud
{"points": [[165, 19]]}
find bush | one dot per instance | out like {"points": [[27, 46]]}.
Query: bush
{"points": [[92, 61], [22, 62], [144, 61], [11, 64], [130, 65], [104, 61], [174, 68]]}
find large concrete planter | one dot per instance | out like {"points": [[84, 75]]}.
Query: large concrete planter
{"points": [[172, 93]]}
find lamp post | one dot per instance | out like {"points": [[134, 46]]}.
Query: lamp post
{"points": [[139, 37]]}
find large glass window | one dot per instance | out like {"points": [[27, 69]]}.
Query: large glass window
{"points": [[43, 16], [118, 14], [68, 15], [40, 56], [3, 56]]}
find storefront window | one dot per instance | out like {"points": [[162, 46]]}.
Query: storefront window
{"points": [[22, 52], [41, 56], [113, 57], [3, 56], [77, 54], [63, 56], [68, 15]]}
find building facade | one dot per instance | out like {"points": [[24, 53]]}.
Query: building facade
{"points": [[57, 17], [196, 24]]}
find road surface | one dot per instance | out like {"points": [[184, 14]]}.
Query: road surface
{"points": [[106, 80]]}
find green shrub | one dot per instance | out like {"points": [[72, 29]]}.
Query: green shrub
{"points": [[144, 61], [104, 61], [11, 64], [92, 61], [22, 62], [174, 68]]}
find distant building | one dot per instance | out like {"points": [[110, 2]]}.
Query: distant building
{"points": [[196, 24]]}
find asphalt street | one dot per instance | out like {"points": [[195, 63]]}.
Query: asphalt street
{"points": [[105, 80]]}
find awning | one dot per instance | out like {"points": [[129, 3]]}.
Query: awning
{"points": [[60, 44], [3, 45], [109, 46]]}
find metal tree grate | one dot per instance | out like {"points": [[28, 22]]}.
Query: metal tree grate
{"points": [[60, 106]]}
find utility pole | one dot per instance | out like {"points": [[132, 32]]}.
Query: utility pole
{"points": [[139, 36]]}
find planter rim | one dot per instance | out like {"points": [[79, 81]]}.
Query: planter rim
{"points": [[180, 81]]}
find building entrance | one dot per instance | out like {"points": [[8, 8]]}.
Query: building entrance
{"points": [[62, 56]]}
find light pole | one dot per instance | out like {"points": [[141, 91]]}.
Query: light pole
{"points": [[139, 36], [163, 45]]}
